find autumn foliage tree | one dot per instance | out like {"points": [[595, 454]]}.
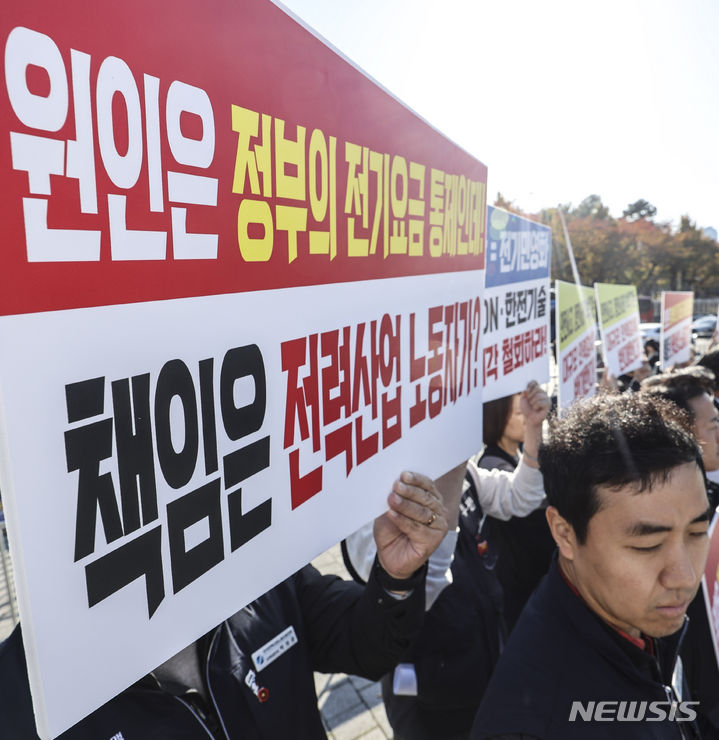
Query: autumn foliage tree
{"points": [[633, 249]]}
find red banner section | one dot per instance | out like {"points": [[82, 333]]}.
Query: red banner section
{"points": [[162, 150], [677, 307]]}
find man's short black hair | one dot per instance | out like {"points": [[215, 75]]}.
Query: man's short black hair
{"points": [[711, 360], [612, 440], [681, 386]]}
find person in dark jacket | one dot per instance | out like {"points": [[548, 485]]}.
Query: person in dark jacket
{"points": [[435, 691], [251, 677], [523, 545], [594, 653], [710, 360], [691, 389], [651, 349]]}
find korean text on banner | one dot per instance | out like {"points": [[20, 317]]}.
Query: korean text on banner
{"points": [[618, 310], [241, 291], [676, 328], [515, 328], [576, 317]]}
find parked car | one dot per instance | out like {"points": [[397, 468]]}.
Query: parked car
{"points": [[704, 326], [650, 331]]}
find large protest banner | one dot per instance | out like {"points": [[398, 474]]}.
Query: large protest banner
{"points": [[618, 310], [676, 329], [241, 291], [576, 319], [515, 332]]}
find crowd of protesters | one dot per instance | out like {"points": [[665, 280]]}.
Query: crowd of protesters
{"points": [[548, 586]]}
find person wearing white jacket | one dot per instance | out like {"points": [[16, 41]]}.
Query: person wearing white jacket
{"points": [[435, 694], [501, 495]]}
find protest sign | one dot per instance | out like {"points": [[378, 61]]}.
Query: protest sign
{"points": [[618, 311], [676, 329], [515, 331], [576, 318], [241, 291]]}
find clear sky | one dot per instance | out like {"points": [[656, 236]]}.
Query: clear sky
{"points": [[559, 98]]}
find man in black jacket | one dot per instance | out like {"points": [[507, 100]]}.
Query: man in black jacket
{"points": [[251, 677], [692, 389], [594, 654]]}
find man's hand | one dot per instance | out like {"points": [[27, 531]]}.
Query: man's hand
{"points": [[412, 529], [534, 404]]}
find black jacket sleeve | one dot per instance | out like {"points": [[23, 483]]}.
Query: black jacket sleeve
{"points": [[700, 668], [355, 629], [16, 714]]}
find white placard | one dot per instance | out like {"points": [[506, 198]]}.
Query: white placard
{"points": [[198, 366], [516, 318]]}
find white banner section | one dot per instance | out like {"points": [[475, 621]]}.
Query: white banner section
{"points": [[153, 490], [576, 335], [675, 343], [516, 331], [618, 310]]}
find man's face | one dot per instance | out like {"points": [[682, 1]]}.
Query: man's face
{"points": [[706, 429], [645, 553]]}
